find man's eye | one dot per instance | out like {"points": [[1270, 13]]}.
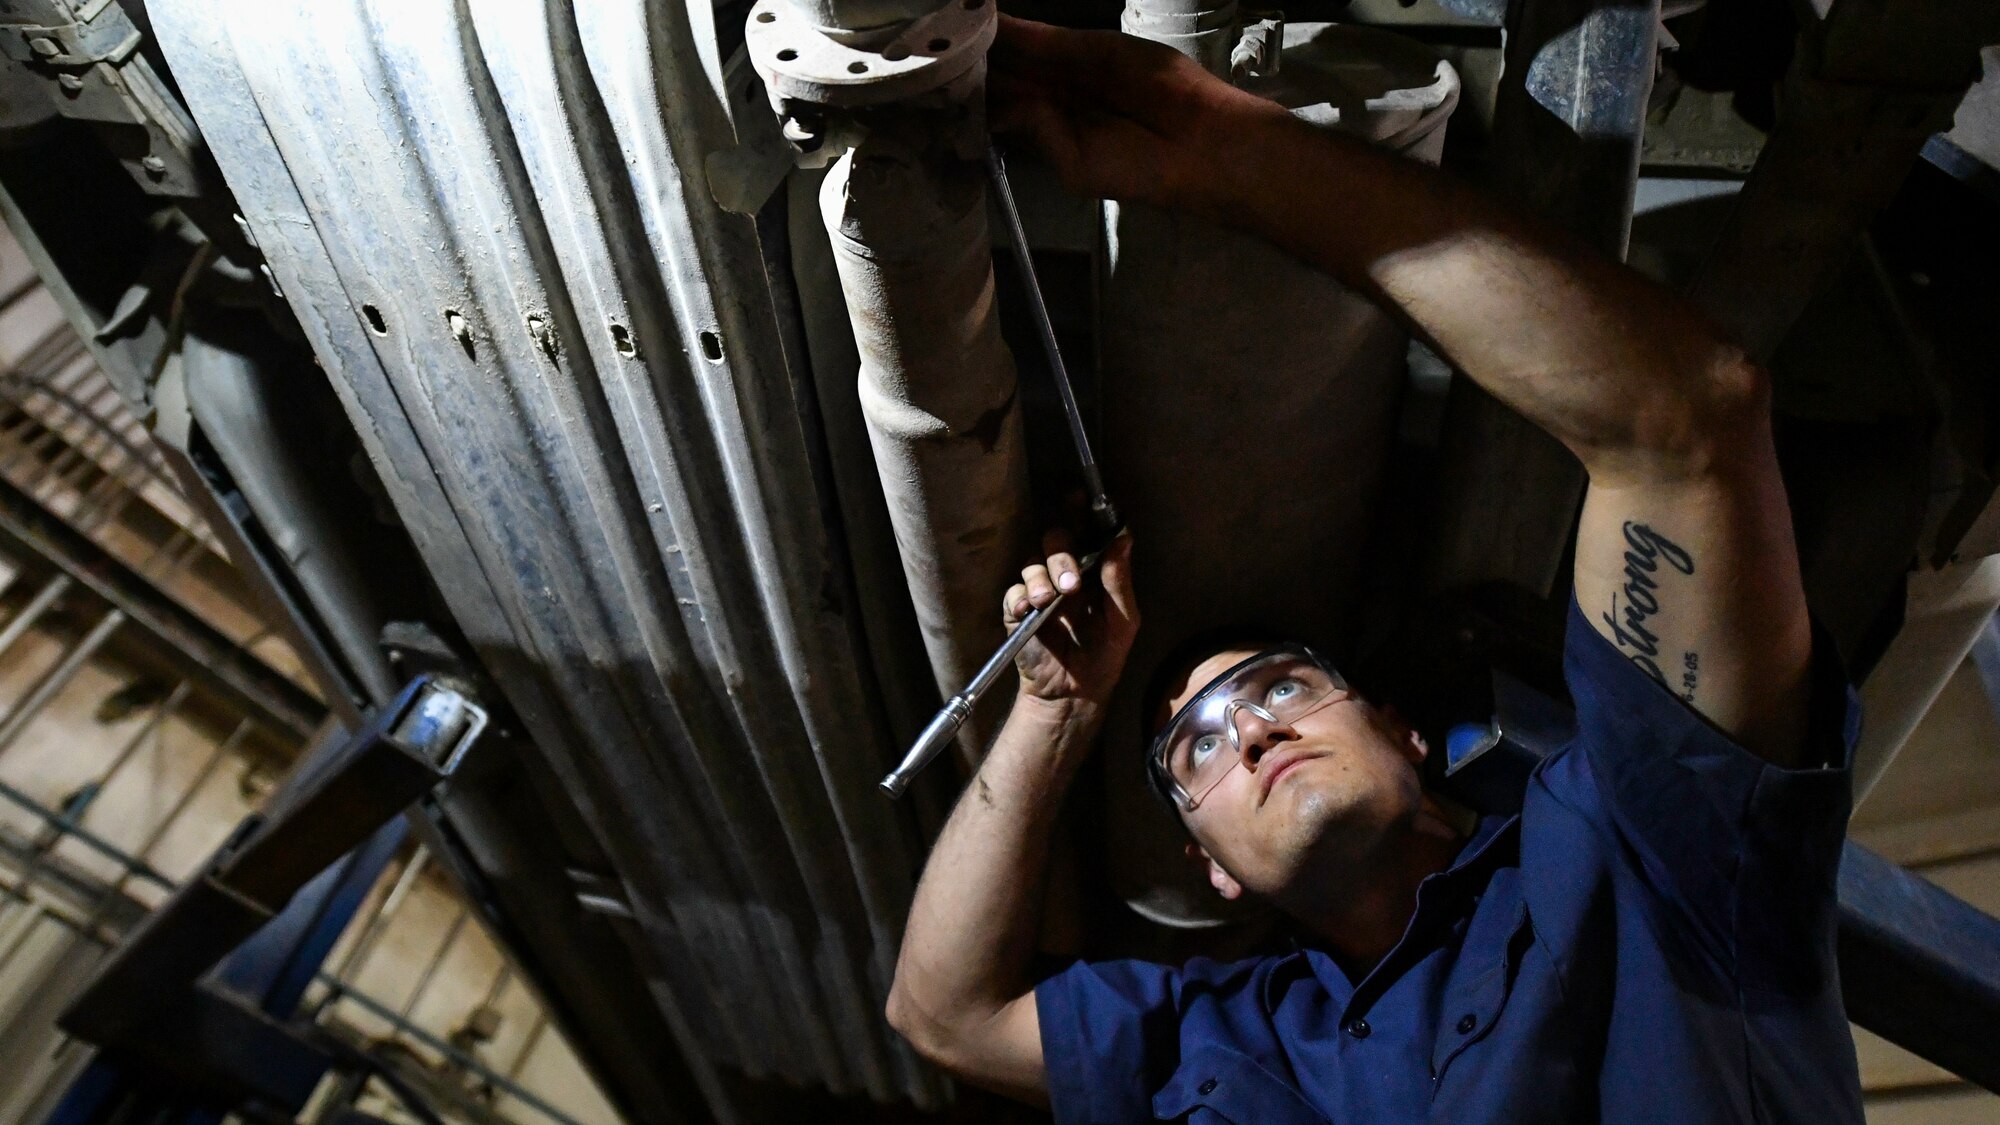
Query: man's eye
{"points": [[1284, 690], [1202, 750]]}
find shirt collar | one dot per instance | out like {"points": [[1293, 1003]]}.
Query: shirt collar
{"points": [[1494, 842], [1493, 834]]}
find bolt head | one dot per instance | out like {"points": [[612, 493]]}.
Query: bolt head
{"points": [[45, 47], [154, 166], [71, 83]]}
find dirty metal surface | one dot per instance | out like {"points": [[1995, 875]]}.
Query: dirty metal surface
{"points": [[565, 360]]}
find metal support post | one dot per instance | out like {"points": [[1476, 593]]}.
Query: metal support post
{"points": [[154, 1008], [331, 801], [283, 978]]}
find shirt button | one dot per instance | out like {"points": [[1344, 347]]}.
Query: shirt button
{"points": [[1206, 1088], [1466, 1025], [1358, 1028]]}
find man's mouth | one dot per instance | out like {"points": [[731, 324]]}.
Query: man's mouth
{"points": [[1278, 771]]}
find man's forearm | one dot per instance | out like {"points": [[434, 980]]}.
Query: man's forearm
{"points": [[973, 924], [1586, 348]]}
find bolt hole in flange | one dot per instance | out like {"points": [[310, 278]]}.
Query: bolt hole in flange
{"points": [[815, 66], [373, 316], [711, 345], [621, 338]]}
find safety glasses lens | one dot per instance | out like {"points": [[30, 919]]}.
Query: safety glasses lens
{"points": [[1205, 740]]}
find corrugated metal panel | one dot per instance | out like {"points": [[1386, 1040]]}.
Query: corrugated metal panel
{"points": [[565, 361]]}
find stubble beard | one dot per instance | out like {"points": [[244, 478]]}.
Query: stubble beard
{"points": [[1336, 838]]}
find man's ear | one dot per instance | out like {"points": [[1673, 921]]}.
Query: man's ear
{"points": [[1224, 883], [1413, 745]]}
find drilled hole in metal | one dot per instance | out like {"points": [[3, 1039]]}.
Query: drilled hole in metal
{"points": [[711, 346], [375, 322], [895, 52], [787, 55], [461, 331], [621, 338], [767, 17], [857, 67], [940, 45]]}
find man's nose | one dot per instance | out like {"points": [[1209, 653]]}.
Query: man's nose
{"points": [[1257, 736]]}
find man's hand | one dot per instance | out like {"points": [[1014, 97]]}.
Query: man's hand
{"points": [[963, 995], [1077, 657], [1119, 117]]}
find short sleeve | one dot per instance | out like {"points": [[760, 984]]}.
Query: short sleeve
{"points": [[1110, 1037], [1744, 852]]}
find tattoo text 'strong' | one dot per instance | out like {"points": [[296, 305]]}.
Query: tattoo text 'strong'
{"points": [[1645, 549]]}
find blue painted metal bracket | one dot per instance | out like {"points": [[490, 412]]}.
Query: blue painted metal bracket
{"points": [[1920, 967], [196, 1007]]}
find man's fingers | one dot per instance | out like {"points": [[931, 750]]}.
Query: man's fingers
{"points": [[1116, 573], [1014, 605], [1098, 66], [1064, 571], [1046, 127], [1013, 104], [1062, 564], [1041, 589]]}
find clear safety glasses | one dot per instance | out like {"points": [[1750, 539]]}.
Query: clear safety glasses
{"points": [[1204, 741]]}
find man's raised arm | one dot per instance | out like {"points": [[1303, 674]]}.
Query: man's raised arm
{"points": [[962, 994], [1685, 558]]}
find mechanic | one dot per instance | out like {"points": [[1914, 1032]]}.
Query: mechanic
{"points": [[1649, 940]]}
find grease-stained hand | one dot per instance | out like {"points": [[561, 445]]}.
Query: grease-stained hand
{"points": [[1119, 117], [1078, 656]]}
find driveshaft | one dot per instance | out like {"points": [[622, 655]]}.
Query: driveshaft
{"points": [[944, 725]]}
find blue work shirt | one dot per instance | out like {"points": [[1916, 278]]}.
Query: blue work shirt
{"points": [[1650, 940]]}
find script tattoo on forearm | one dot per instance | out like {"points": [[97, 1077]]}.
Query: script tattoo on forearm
{"points": [[1637, 600]]}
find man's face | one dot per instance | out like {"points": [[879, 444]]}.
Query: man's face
{"points": [[1305, 802]]}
